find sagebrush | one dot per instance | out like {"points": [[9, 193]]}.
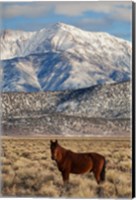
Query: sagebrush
{"points": [[27, 168]]}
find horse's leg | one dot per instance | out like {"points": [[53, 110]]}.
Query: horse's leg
{"points": [[97, 172], [65, 176], [97, 176]]}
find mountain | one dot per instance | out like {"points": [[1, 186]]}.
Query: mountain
{"points": [[99, 101], [97, 110], [62, 57], [13, 42]]}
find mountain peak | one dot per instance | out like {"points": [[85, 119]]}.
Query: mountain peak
{"points": [[60, 25], [63, 57]]}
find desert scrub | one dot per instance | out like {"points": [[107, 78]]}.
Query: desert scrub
{"points": [[48, 190], [21, 162], [28, 170]]}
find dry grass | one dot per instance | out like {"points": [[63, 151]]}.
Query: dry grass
{"points": [[27, 169]]}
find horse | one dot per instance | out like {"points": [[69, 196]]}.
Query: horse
{"points": [[77, 163]]}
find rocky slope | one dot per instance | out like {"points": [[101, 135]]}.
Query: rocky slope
{"points": [[66, 81], [98, 110]]}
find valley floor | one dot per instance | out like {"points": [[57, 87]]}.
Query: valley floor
{"points": [[56, 124], [27, 168]]}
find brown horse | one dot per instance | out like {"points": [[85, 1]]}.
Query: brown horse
{"points": [[77, 163]]}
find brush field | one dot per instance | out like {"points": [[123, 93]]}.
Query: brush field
{"points": [[27, 168]]}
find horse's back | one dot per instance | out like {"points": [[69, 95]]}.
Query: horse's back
{"points": [[97, 155]]}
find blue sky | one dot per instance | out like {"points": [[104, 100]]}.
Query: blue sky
{"points": [[112, 17]]}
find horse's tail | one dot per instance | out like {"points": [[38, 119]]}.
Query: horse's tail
{"points": [[103, 171]]}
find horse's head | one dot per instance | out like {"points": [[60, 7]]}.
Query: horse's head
{"points": [[54, 146]]}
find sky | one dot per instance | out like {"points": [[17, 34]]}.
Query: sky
{"points": [[113, 17]]}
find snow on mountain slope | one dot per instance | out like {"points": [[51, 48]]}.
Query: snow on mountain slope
{"points": [[63, 57], [55, 71], [12, 43], [62, 37]]}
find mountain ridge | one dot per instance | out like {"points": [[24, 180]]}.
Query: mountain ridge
{"points": [[87, 102], [63, 57], [51, 33], [99, 110]]}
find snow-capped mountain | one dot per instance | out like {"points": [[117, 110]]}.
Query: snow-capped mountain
{"points": [[12, 43], [62, 57]]}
